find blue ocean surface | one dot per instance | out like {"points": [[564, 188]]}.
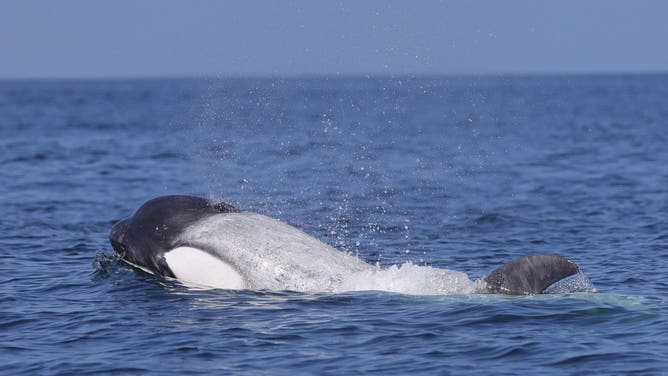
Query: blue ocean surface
{"points": [[459, 173]]}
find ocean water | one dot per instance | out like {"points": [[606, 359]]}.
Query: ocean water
{"points": [[458, 173]]}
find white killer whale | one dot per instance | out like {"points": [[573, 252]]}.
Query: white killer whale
{"points": [[213, 244]]}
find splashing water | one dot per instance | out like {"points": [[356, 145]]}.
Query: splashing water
{"points": [[575, 283], [412, 279]]}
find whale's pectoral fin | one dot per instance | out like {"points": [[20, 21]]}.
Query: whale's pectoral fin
{"points": [[529, 275]]}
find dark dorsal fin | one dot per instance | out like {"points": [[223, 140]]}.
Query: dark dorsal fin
{"points": [[530, 274]]}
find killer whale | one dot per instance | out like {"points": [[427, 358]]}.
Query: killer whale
{"points": [[144, 238], [214, 244]]}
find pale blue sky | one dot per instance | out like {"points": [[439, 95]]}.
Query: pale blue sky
{"points": [[123, 38]]}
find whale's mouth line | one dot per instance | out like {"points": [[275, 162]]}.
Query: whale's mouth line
{"points": [[132, 264]]}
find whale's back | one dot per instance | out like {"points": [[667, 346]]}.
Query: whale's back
{"points": [[270, 254]]}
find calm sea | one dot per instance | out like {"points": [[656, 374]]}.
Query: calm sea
{"points": [[459, 173]]}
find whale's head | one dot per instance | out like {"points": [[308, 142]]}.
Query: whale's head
{"points": [[143, 238]]}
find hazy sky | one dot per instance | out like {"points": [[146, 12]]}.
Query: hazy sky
{"points": [[88, 38]]}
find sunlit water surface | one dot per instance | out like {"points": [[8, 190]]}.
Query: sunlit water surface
{"points": [[454, 173]]}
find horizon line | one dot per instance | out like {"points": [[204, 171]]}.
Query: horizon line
{"points": [[335, 75]]}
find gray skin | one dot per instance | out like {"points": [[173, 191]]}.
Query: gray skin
{"points": [[530, 274], [143, 238]]}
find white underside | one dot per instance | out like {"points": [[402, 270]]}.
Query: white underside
{"points": [[197, 267]]}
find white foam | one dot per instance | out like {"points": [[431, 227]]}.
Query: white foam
{"points": [[195, 266], [411, 279]]}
